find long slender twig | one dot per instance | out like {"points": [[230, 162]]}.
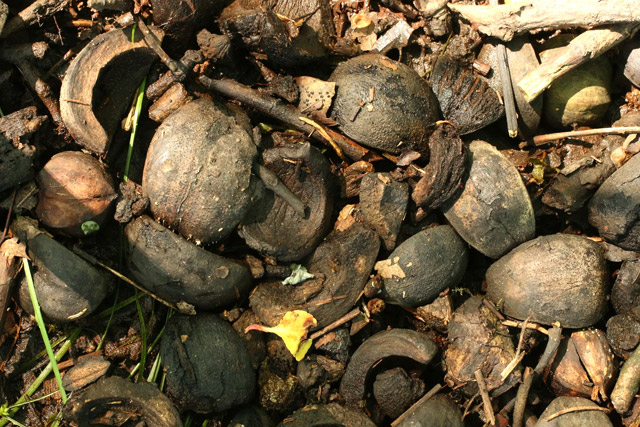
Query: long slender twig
{"points": [[622, 130], [341, 321], [428, 395], [486, 399], [575, 409], [521, 397]]}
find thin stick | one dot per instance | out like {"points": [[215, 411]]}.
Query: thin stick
{"points": [[33, 13], [555, 336], [521, 397], [177, 68], [434, 390], [531, 325], [275, 184], [576, 409], [6, 223], [623, 130], [341, 321], [519, 353], [285, 113], [486, 400], [585, 46]]}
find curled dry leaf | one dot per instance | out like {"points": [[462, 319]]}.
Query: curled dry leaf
{"points": [[293, 329]]}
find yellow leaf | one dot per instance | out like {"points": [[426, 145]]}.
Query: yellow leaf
{"points": [[293, 329]]}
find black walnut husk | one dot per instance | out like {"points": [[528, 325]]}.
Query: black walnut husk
{"points": [[177, 270], [74, 188], [438, 411], [560, 277], [251, 416], [424, 265], [477, 340], [383, 104], [394, 343], [444, 173], [68, 287], [383, 202], [394, 391], [615, 208], [274, 228], [341, 264], [197, 174], [117, 398], [493, 213], [207, 365], [331, 415], [465, 100], [623, 332], [572, 418], [625, 293]]}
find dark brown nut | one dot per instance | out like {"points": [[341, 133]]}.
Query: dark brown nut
{"points": [[273, 227], [558, 278], [251, 416], [583, 366], [615, 208], [423, 266], [572, 418], [179, 271], [465, 100], [198, 171], [331, 415], [383, 202], [341, 265], [438, 411], [477, 340], [68, 287], [207, 364], [383, 104], [493, 213], [395, 391], [623, 333], [116, 395], [582, 95], [401, 343], [74, 188]]}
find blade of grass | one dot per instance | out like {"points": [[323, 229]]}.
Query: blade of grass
{"points": [[143, 334], [40, 379], [134, 129], [43, 328]]}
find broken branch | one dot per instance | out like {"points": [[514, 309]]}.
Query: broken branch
{"points": [[505, 21], [544, 139], [584, 47]]}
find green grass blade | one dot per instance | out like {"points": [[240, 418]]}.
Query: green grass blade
{"points": [[43, 329], [134, 129]]}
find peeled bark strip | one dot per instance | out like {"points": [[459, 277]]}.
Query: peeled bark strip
{"points": [[584, 47], [504, 21]]}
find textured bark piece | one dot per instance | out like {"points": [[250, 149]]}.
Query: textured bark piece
{"points": [[207, 364], [395, 391], [522, 59], [341, 264], [197, 174], [573, 418], [383, 202], [493, 213], [94, 96], [553, 278], [331, 415], [465, 100], [174, 98], [274, 227], [623, 333], [424, 265], [403, 343], [178, 270], [74, 188], [438, 411], [625, 293], [269, 27], [383, 104], [477, 340], [115, 397], [615, 208], [21, 123], [68, 287], [15, 163], [443, 175], [85, 371]]}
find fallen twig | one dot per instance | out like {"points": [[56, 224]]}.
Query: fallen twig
{"points": [[486, 400], [341, 321], [575, 409], [287, 114], [628, 383], [530, 325], [35, 12], [521, 397], [545, 139], [428, 395], [555, 335], [585, 46], [505, 21], [273, 183]]}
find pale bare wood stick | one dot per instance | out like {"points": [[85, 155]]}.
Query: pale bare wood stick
{"points": [[505, 21], [341, 321], [625, 130], [575, 409], [584, 47]]}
